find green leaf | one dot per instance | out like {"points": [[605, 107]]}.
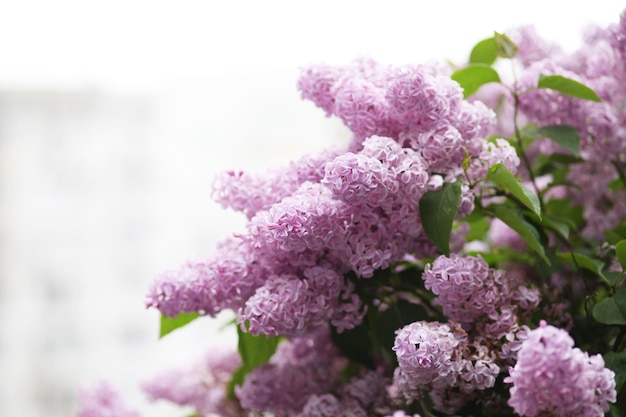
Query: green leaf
{"points": [[578, 260], [356, 344], [565, 135], [254, 351], [169, 324], [479, 226], [564, 209], [567, 86], [506, 181], [437, 211], [472, 77], [484, 52], [614, 277], [554, 223], [608, 312], [620, 253], [616, 361], [516, 221], [505, 47]]}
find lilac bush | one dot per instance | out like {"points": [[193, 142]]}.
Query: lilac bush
{"points": [[463, 254]]}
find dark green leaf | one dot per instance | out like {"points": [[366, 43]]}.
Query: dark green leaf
{"points": [[564, 208], [254, 351], [169, 324], [356, 344], [616, 361], [472, 77], [437, 211], [507, 182], [580, 261], [614, 277], [620, 253], [567, 86], [505, 47], [516, 221], [607, 312], [559, 226], [484, 52], [395, 317]]}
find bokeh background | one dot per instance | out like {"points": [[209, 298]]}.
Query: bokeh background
{"points": [[114, 117]]}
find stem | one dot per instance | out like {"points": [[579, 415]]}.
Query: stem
{"points": [[523, 155]]}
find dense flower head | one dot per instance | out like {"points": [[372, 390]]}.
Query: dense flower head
{"points": [[222, 281], [552, 376], [421, 100], [103, 400], [440, 359], [201, 386], [301, 367], [428, 355], [469, 291], [291, 305], [251, 192], [374, 100], [498, 152]]}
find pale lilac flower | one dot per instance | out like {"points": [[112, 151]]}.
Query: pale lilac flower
{"points": [[223, 281], [102, 400], [552, 376], [325, 405], [201, 386], [532, 47], [429, 356], [316, 83], [362, 107], [300, 368], [421, 100], [473, 294], [293, 305], [251, 192], [492, 153]]}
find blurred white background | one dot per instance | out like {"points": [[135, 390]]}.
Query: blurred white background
{"points": [[114, 117]]}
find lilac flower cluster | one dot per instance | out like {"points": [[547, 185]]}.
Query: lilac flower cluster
{"points": [[476, 296], [301, 367], [439, 359], [342, 210], [202, 386], [553, 377], [359, 398], [329, 239], [102, 400]]}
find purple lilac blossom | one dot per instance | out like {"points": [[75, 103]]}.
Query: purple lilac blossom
{"points": [[290, 305], [439, 359], [469, 291], [223, 281], [301, 367], [552, 376], [202, 386], [251, 192], [102, 400]]}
